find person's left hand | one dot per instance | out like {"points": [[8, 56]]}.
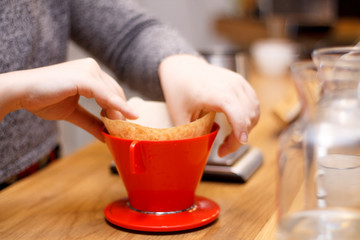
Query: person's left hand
{"points": [[191, 85]]}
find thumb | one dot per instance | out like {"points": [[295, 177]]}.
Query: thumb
{"points": [[87, 121], [230, 145]]}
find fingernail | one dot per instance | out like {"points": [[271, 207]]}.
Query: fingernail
{"points": [[243, 138]]}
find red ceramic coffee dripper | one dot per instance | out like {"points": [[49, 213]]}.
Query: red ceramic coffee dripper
{"points": [[161, 176]]}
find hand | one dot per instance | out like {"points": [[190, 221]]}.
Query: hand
{"points": [[53, 92], [191, 85]]}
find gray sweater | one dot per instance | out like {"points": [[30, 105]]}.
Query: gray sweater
{"points": [[35, 33]]}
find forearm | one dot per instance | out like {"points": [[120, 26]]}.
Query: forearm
{"points": [[53, 92], [33, 87], [154, 45], [127, 39], [10, 92]]}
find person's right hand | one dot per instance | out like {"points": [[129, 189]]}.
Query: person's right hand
{"points": [[53, 92]]}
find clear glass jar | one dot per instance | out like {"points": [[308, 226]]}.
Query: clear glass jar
{"points": [[326, 205], [290, 159]]}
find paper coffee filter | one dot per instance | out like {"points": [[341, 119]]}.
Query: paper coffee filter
{"points": [[154, 123]]}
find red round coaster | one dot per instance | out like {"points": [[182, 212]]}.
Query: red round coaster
{"points": [[202, 213]]}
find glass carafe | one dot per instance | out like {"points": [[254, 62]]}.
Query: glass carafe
{"points": [[327, 200], [290, 159]]}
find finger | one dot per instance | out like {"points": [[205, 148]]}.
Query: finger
{"points": [[248, 100], [107, 99], [238, 117], [115, 115], [107, 93], [253, 107], [241, 129], [230, 145], [82, 118], [115, 103], [113, 84]]}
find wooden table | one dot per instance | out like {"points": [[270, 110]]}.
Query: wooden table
{"points": [[66, 200]]}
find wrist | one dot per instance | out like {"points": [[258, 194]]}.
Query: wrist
{"points": [[10, 92], [183, 61], [177, 69], [181, 81]]}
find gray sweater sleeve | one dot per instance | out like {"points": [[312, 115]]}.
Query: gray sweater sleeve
{"points": [[127, 39]]}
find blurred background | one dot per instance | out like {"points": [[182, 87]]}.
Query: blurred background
{"points": [[242, 26]]}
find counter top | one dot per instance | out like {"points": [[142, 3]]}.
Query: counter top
{"points": [[66, 200]]}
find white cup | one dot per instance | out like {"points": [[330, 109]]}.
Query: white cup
{"points": [[273, 57]]}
